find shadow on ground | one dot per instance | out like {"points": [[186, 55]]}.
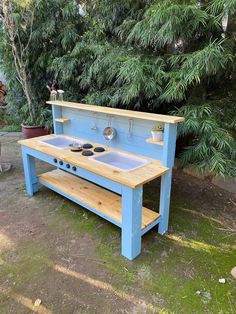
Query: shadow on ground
{"points": [[53, 250]]}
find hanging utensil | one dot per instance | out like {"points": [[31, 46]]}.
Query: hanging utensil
{"points": [[94, 127], [109, 133], [130, 127]]}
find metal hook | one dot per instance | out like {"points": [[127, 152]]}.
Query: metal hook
{"points": [[94, 128], [130, 127], [109, 120]]}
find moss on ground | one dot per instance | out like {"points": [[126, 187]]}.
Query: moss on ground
{"points": [[178, 272], [27, 261], [22, 266]]}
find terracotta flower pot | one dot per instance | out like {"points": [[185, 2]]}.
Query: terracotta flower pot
{"points": [[33, 131]]}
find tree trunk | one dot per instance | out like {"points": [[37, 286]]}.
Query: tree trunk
{"points": [[18, 52], [28, 95]]}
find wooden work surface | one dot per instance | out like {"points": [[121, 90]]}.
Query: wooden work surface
{"points": [[100, 199], [131, 179], [119, 112]]}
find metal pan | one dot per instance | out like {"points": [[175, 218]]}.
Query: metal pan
{"points": [[109, 133]]}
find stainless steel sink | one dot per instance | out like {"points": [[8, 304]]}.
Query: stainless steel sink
{"points": [[120, 161], [61, 142]]}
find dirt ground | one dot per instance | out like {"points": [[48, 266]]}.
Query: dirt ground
{"points": [[55, 251]]}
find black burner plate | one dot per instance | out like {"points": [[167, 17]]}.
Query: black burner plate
{"points": [[99, 149], [76, 149], [87, 153], [87, 146]]}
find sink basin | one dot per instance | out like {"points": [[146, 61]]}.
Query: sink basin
{"points": [[120, 161], [61, 142]]}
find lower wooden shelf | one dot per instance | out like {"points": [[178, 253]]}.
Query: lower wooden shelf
{"points": [[102, 201]]}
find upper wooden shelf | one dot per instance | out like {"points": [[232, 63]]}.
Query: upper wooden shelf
{"points": [[150, 140], [62, 120], [119, 112]]}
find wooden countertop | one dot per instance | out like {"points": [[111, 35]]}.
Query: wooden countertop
{"points": [[132, 178], [119, 112]]}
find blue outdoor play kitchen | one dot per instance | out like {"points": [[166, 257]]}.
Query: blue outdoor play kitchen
{"points": [[103, 157]]}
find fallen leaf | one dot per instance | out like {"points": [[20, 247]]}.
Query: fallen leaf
{"points": [[37, 302], [222, 280]]}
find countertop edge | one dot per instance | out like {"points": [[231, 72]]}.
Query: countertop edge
{"points": [[25, 143]]}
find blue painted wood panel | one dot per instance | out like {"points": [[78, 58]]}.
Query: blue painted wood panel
{"points": [[164, 207], [31, 179], [131, 234], [170, 134], [80, 172], [82, 122]]}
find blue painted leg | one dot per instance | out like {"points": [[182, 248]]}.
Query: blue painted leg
{"points": [[165, 202], [31, 180], [131, 222]]}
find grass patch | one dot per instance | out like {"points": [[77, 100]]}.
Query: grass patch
{"points": [[179, 271], [79, 219], [107, 237], [20, 267], [24, 264], [189, 274]]}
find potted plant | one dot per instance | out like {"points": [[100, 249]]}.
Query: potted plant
{"points": [[157, 133], [39, 126]]}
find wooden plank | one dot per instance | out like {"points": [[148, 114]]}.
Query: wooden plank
{"points": [[119, 112], [102, 200], [132, 179], [62, 120], [150, 140]]}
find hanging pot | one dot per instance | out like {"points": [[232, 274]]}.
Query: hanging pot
{"points": [[109, 133]]}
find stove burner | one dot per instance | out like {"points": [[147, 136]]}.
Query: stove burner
{"points": [[87, 145], [76, 149], [99, 149], [87, 153]]}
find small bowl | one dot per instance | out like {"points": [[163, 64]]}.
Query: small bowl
{"points": [[76, 147]]}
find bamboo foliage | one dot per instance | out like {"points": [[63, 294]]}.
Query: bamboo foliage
{"points": [[158, 56]]}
